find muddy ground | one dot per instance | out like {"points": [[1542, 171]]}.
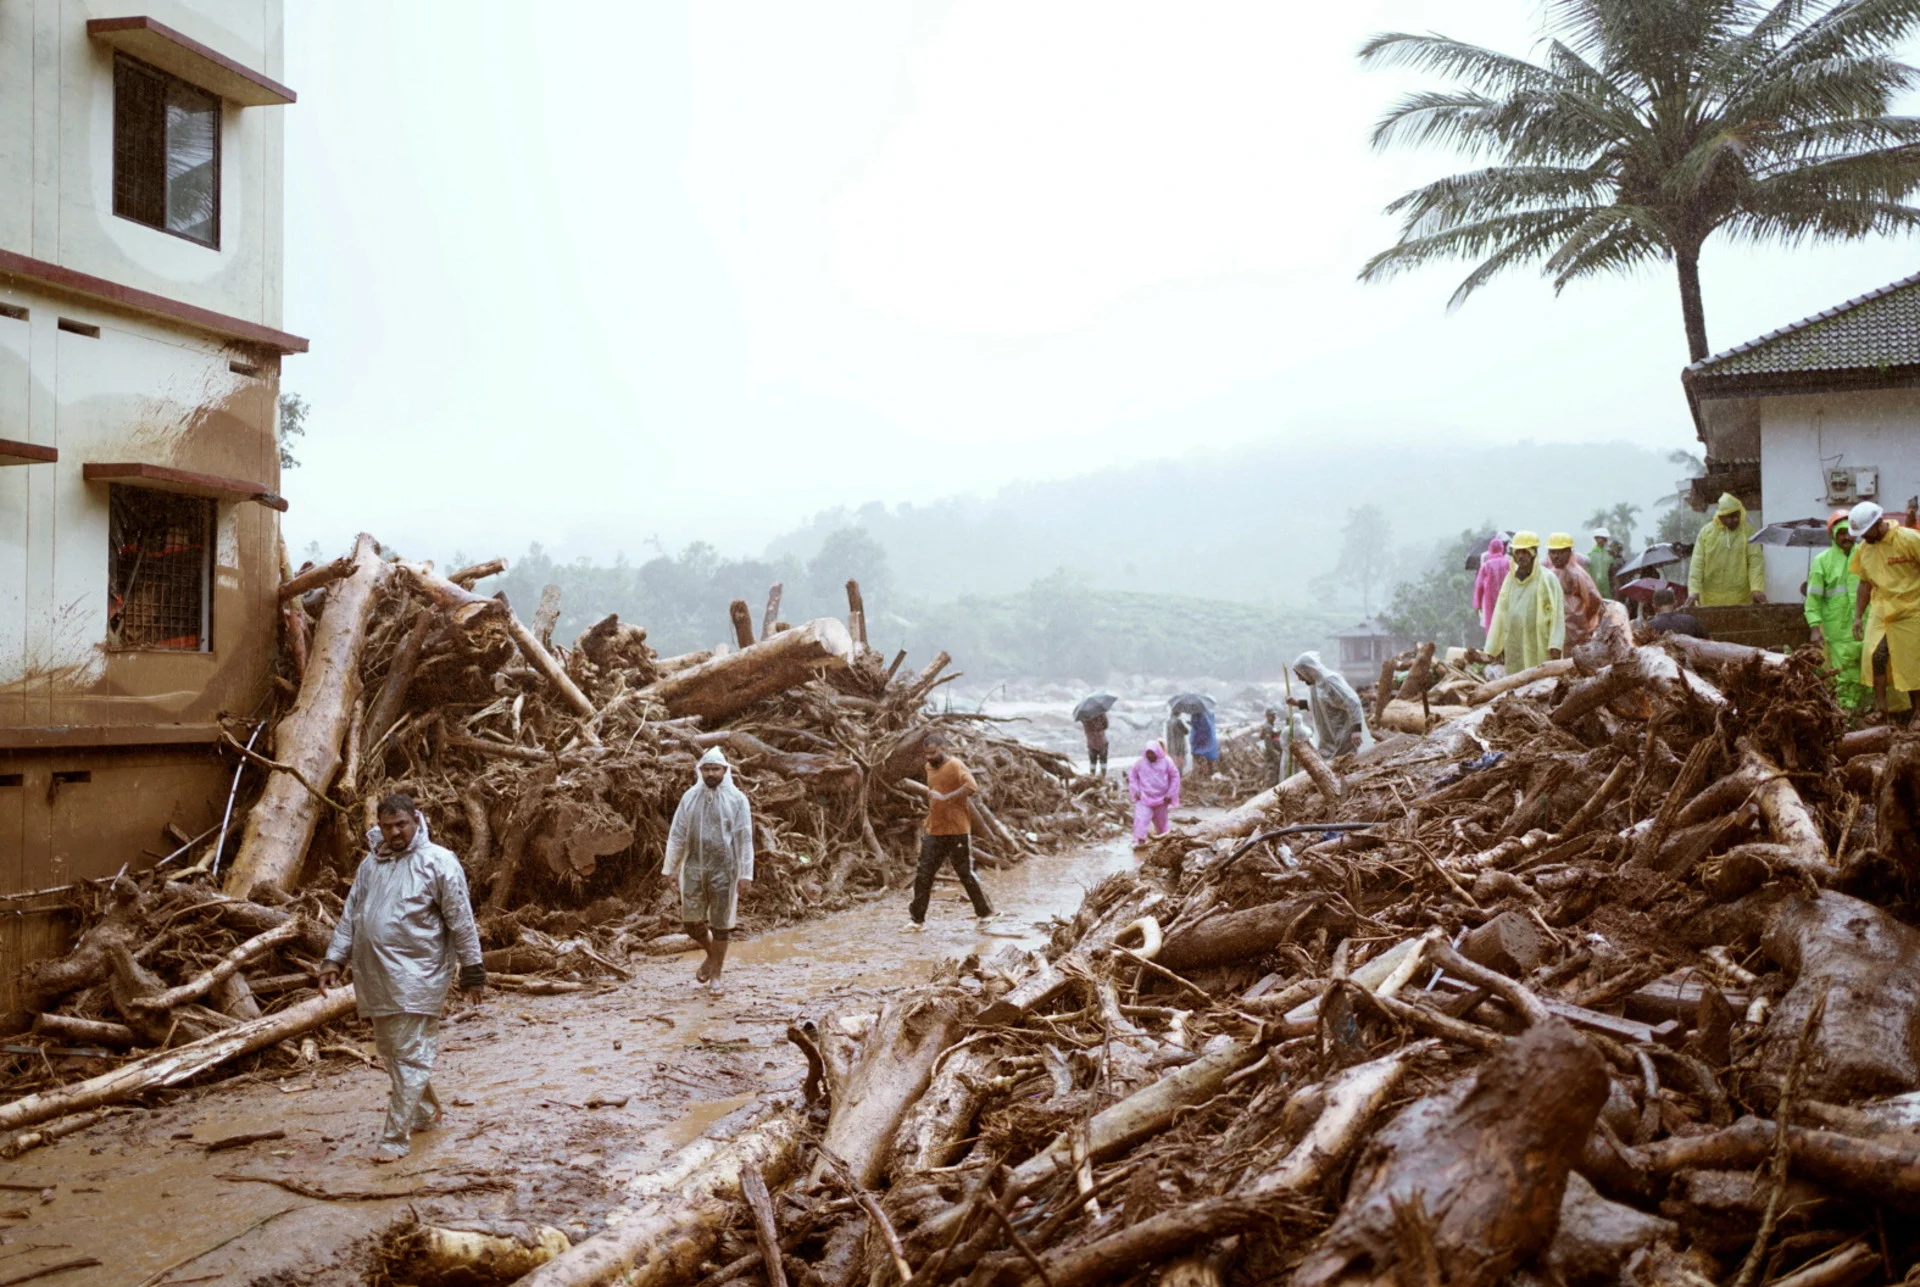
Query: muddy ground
{"points": [[518, 1073]]}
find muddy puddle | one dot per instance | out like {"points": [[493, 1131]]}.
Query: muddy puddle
{"points": [[555, 1104]]}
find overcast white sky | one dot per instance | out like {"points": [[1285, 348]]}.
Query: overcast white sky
{"points": [[594, 273]]}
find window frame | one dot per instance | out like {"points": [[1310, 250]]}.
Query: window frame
{"points": [[167, 79], [207, 569]]}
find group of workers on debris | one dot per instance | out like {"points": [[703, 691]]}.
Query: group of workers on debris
{"points": [[408, 936], [1862, 597]]}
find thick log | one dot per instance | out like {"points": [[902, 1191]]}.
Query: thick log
{"points": [[170, 1067], [1596, 1237], [1482, 1164], [1787, 816], [1867, 964], [856, 615], [893, 1069], [772, 613], [390, 702], [1324, 781], [315, 577], [742, 618], [1420, 675], [1402, 716], [280, 825], [1865, 741], [89, 1032], [670, 1238], [204, 982], [1711, 652], [1879, 1172], [431, 1256], [940, 1122], [465, 577], [1520, 679], [1590, 695], [461, 604], [1236, 936], [725, 686]]}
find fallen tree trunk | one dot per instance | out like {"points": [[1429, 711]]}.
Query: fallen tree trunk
{"points": [[895, 1063], [207, 980], [1866, 964], [392, 699], [1877, 1172], [1520, 679], [315, 577], [1403, 716], [1590, 695], [940, 1121], [725, 686], [94, 1032], [280, 825], [1481, 1166], [670, 1238], [1316, 768], [1236, 936], [432, 1256], [1787, 816], [1710, 652], [169, 1067], [462, 606]]}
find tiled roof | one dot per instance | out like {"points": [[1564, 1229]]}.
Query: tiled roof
{"points": [[1879, 329]]}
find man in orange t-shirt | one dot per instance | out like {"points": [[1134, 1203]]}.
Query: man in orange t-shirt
{"points": [[949, 831]]}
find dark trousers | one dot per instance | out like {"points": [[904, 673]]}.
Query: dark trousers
{"points": [[1096, 759], [935, 850]]}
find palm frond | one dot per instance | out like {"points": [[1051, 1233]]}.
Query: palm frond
{"points": [[1490, 70]]}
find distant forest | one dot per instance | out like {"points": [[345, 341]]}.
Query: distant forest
{"points": [[1224, 566]]}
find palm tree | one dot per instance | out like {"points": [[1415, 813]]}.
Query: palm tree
{"points": [[1650, 125], [1620, 522]]}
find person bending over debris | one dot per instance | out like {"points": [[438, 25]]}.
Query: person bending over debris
{"points": [[1727, 568], [1832, 589], [1529, 622], [1153, 784], [407, 930], [1667, 619], [949, 833], [1339, 721], [710, 848], [1579, 595], [1886, 558]]}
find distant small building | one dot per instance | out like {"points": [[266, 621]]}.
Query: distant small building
{"points": [[1814, 416], [1361, 648]]}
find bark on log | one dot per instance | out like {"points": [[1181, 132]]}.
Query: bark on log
{"points": [[1865, 741], [856, 615], [1236, 936], [924, 682], [893, 1069], [772, 614], [297, 628], [1483, 1164], [742, 617], [1874, 1171], [204, 982], [1520, 679], [465, 577], [92, 1032], [461, 605], [725, 686], [430, 1256], [1420, 675], [940, 1122], [169, 1067], [1787, 817], [1896, 813], [669, 1239], [280, 825], [1596, 1237], [1383, 690], [1711, 652], [1590, 695], [1412, 717], [315, 577], [766, 1229], [1316, 768], [1868, 965], [391, 700]]}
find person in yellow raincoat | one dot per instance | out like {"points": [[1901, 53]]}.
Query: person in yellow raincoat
{"points": [[1726, 569], [1886, 614], [1529, 619]]}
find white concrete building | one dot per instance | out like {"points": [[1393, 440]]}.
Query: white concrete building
{"points": [[1815, 416], [140, 348]]}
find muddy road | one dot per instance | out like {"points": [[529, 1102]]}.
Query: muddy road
{"points": [[554, 1103]]}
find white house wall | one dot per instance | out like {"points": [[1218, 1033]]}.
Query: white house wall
{"points": [[1804, 435]]}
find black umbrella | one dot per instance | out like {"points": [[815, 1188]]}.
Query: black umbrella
{"points": [[1800, 533], [1190, 704], [1094, 704], [1654, 556]]}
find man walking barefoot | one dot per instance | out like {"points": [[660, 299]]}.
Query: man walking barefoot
{"points": [[710, 848], [406, 928], [949, 833]]}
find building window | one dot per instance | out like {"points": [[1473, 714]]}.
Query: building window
{"points": [[166, 152], [159, 570]]}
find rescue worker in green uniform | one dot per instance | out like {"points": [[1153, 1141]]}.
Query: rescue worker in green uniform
{"points": [[1831, 589]]}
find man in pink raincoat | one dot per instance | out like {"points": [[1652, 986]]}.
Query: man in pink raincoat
{"points": [[1486, 587], [1153, 784]]}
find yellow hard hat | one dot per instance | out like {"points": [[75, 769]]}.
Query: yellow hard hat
{"points": [[1559, 541], [1524, 541]]}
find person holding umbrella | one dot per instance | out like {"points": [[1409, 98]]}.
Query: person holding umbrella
{"points": [[1832, 588], [1727, 567], [1092, 714]]}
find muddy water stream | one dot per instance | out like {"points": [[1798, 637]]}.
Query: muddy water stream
{"points": [[142, 1195]]}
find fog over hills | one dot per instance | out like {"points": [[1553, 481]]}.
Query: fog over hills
{"points": [[1250, 525]]}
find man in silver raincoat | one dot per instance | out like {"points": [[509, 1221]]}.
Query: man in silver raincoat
{"points": [[1339, 721], [710, 848], [408, 932]]}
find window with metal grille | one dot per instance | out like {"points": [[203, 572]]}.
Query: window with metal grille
{"points": [[166, 152], [159, 570]]}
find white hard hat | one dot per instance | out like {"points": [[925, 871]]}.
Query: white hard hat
{"points": [[1863, 517]]}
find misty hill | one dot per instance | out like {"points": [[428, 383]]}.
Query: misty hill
{"points": [[1252, 526]]}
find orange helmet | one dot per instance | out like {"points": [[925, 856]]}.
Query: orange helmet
{"points": [[1838, 516]]}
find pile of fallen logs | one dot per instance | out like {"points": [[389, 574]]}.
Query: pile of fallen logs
{"points": [[1607, 980], [551, 772]]}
